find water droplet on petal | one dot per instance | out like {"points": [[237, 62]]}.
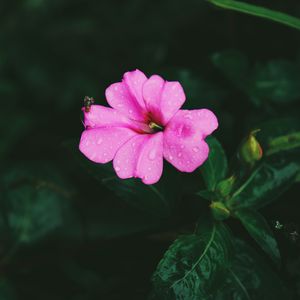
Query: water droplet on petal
{"points": [[171, 157], [195, 149], [181, 146], [118, 169], [179, 154], [152, 154], [188, 116], [130, 111], [120, 105]]}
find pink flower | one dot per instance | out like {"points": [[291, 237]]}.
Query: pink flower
{"points": [[144, 125]]}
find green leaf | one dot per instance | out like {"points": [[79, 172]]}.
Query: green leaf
{"points": [[207, 195], [277, 170], [154, 199], [261, 232], [35, 201], [6, 290], [249, 278], [258, 11], [193, 265], [280, 135], [265, 184], [277, 81], [233, 64], [215, 168]]}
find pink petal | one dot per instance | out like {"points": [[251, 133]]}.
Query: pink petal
{"points": [[101, 144], [135, 81], [100, 116], [119, 97], [142, 157], [163, 99], [184, 145]]}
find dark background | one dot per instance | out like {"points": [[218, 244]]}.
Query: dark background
{"points": [[75, 239]]}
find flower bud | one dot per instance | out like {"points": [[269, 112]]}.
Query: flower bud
{"points": [[250, 150], [219, 211], [225, 186]]}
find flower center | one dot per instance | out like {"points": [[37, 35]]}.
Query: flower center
{"points": [[155, 127]]}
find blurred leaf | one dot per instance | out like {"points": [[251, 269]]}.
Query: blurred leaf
{"points": [[233, 64], [249, 277], [260, 230], [154, 199], [6, 290], [258, 11], [199, 91], [207, 195], [277, 81], [33, 205], [215, 168], [110, 218], [193, 264], [13, 126]]}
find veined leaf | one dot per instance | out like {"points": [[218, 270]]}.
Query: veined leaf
{"points": [[250, 278], [190, 269], [278, 169], [259, 229], [265, 184]]}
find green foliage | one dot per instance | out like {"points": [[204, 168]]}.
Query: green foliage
{"points": [[6, 290], [276, 81], [258, 11], [193, 265], [215, 168], [70, 229], [33, 205], [249, 277], [259, 229], [153, 199]]}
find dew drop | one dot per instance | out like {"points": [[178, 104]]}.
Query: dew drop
{"points": [[130, 111], [152, 154], [196, 149], [117, 169], [99, 141], [179, 154], [120, 105], [171, 157]]}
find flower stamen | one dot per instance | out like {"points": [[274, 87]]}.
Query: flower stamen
{"points": [[155, 127]]}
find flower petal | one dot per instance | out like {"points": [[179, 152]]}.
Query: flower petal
{"points": [[150, 163], [101, 144], [119, 97], [163, 98], [135, 81], [101, 116], [184, 145], [142, 157]]}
